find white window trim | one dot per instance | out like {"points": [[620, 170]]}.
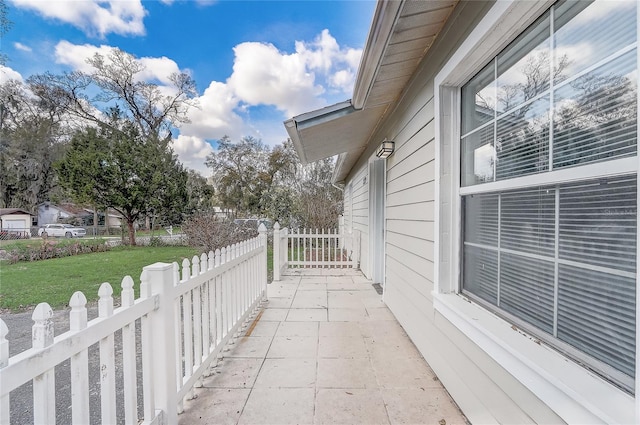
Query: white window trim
{"points": [[574, 393]]}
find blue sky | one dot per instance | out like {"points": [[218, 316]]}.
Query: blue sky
{"points": [[256, 63]]}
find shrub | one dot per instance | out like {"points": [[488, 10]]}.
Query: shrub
{"points": [[155, 241], [206, 232], [54, 249]]}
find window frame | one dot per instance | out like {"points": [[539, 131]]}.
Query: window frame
{"points": [[569, 389]]}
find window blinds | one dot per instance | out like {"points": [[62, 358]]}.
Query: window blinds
{"points": [[561, 258]]}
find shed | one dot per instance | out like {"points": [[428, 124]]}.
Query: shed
{"points": [[15, 223]]}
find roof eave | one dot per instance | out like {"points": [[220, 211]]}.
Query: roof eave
{"points": [[295, 125], [336, 177], [292, 129], [384, 20]]}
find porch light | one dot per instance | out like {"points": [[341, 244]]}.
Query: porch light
{"points": [[386, 149]]}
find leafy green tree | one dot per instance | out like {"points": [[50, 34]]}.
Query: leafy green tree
{"points": [[240, 173], [200, 193], [135, 117], [280, 204], [252, 179], [122, 170], [32, 138], [302, 195]]}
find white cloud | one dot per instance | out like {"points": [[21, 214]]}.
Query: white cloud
{"points": [[215, 116], [263, 75], [22, 47], [192, 152], [320, 53], [7, 74], [94, 17], [76, 55], [342, 78], [352, 58], [295, 82], [316, 74], [337, 65], [157, 70]]}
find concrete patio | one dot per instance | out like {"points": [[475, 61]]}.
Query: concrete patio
{"points": [[325, 350]]}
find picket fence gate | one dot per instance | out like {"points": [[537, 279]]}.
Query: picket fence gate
{"points": [[185, 321], [313, 248]]}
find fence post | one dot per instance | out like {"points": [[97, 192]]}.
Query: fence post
{"points": [[341, 232], [276, 252], [79, 362], [44, 387], [262, 230], [4, 361], [284, 251], [107, 358], [160, 276], [127, 298]]}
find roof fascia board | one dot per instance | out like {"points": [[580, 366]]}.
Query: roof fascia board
{"points": [[309, 119], [337, 169], [12, 211], [327, 110], [384, 20], [291, 126], [324, 115]]}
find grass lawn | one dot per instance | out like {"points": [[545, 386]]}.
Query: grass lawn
{"points": [[26, 284]]}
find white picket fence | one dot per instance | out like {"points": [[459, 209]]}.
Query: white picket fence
{"points": [[312, 248], [184, 320]]}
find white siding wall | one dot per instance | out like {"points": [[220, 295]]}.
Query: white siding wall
{"points": [[360, 188], [347, 208], [483, 389]]}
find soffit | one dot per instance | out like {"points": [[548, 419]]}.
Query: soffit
{"points": [[401, 34], [316, 139], [413, 34]]}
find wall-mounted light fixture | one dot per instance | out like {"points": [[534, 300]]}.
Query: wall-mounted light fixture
{"points": [[385, 149]]}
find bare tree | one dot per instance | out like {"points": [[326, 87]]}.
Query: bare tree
{"points": [[206, 231], [117, 79], [5, 26], [114, 98]]}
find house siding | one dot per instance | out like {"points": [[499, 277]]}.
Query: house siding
{"points": [[485, 391], [50, 214], [360, 216], [347, 208]]}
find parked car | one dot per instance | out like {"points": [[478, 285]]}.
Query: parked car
{"points": [[61, 230]]}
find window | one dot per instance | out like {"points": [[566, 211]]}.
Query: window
{"points": [[548, 180]]}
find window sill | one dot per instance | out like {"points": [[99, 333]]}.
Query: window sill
{"points": [[574, 393]]}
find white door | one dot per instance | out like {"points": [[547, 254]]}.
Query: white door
{"points": [[377, 194]]}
